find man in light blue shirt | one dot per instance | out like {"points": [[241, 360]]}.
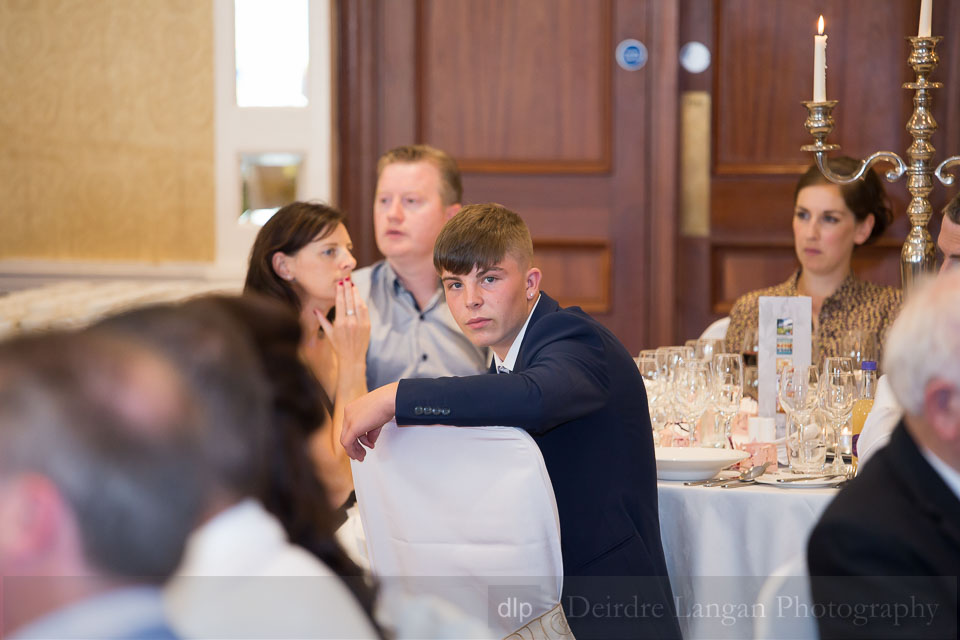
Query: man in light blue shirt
{"points": [[412, 334]]}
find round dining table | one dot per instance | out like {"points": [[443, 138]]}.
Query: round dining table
{"points": [[723, 544]]}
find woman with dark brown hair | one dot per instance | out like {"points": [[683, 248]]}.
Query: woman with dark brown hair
{"points": [[302, 257], [829, 222], [288, 486]]}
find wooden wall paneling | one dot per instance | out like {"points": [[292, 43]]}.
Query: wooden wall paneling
{"points": [[738, 268], [751, 206], [764, 55], [582, 266], [489, 69], [399, 79], [693, 287]]}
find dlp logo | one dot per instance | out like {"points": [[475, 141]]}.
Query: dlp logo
{"points": [[514, 608], [514, 603]]}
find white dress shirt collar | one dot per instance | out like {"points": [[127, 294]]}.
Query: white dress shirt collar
{"points": [[510, 361]]}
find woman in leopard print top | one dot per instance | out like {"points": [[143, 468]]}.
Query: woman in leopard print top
{"points": [[829, 221]]}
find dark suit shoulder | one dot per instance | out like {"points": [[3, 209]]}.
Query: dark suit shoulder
{"points": [[566, 323], [562, 330], [878, 522]]}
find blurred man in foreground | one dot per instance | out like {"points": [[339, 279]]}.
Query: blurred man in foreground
{"points": [[885, 556], [99, 486]]}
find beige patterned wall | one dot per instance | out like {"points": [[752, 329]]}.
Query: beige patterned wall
{"points": [[106, 130]]}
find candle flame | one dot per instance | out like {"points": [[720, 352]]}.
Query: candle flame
{"points": [[820, 26]]}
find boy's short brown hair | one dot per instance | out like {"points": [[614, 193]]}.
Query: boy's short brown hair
{"points": [[481, 235], [451, 186]]}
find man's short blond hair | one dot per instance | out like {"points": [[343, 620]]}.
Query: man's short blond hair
{"points": [[481, 235], [451, 186]]}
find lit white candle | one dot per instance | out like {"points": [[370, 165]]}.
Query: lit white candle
{"points": [[820, 65], [926, 11]]}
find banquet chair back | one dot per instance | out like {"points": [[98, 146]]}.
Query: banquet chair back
{"points": [[466, 514], [717, 329], [787, 604]]}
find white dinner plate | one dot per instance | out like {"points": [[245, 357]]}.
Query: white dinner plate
{"points": [[812, 483], [694, 463]]}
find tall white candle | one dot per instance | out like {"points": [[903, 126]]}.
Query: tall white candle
{"points": [[820, 65], [926, 11]]}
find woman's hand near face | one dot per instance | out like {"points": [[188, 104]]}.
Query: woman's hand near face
{"points": [[350, 336], [350, 332]]}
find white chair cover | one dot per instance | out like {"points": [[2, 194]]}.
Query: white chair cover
{"points": [[787, 604], [717, 329], [467, 514]]}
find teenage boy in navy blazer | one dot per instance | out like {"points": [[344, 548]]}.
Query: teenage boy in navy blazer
{"points": [[568, 381]]}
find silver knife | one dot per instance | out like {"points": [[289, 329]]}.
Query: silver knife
{"points": [[736, 482], [802, 478], [697, 483]]}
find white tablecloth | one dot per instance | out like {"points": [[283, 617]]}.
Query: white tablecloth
{"points": [[722, 544]]}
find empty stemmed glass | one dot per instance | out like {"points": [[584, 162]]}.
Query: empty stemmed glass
{"points": [[706, 348], [838, 392], [837, 364], [652, 379], [798, 389], [692, 392], [727, 389]]}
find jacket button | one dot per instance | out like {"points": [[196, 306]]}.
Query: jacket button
{"points": [[418, 411], [435, 411], [445, 411]]}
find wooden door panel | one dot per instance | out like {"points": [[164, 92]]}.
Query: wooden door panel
{"points": [[765, 68], [509, 86]]}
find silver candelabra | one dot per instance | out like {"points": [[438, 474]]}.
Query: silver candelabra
{"points": [[917, 257]]}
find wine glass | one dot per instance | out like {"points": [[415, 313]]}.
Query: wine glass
{"points": [[692, 392], [652, 379], [706, 348], [838, 392], [667, 359], [837, 364], [727, 389], [852, 346], [806, 443], [798, 389], [654, 385]]}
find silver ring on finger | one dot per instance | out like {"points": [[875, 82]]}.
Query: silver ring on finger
{"points": [[350, 312]]}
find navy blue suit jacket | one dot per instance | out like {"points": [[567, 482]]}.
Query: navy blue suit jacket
{"points": [[578, 392]]}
